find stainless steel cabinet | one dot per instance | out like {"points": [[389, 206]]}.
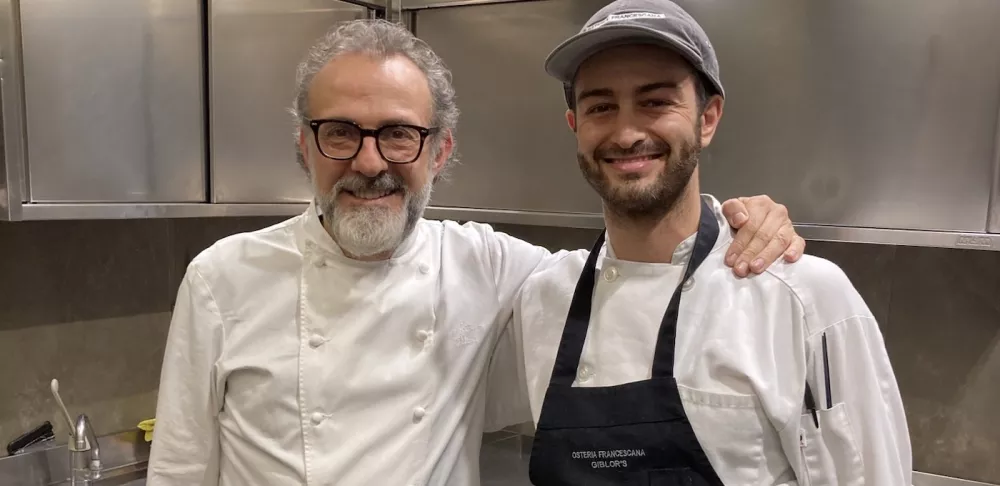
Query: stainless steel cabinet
{"points": [[994, 223], [419, 4], [853, 113], [255, 48], [858, 113], [517, 152], [113, 100]]}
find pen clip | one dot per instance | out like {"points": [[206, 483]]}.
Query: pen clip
{"points": [[826, 374]]}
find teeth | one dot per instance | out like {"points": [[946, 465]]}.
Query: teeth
{"points": [[371, 194], [624, 160], [633, 159]]}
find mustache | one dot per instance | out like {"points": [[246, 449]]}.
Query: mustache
{"points": [[645, 147], [384, 182]]}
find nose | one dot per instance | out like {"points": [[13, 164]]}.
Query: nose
{"points": [[627, 133], [368, 161]]}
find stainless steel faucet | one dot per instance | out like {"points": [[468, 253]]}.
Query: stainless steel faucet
{"points": [[84, 454], [84, 449]]}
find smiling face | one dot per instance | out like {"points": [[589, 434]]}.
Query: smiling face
{"points": [[640, 128], [369, 204]]}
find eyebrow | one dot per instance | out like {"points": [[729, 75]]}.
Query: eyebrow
{"points": [[397, 121], [382, 123], [595, 93], [646, 88]]}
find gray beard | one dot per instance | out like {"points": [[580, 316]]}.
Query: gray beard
{"points": [[368, 231]]}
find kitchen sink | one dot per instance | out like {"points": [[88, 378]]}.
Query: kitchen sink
{"points": [[130, 477], [124, 457]]}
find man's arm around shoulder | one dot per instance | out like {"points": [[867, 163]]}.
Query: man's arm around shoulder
{"points": [[185, 448]]}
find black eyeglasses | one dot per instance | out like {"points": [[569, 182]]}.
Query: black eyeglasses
{"points": [[397, 143]]}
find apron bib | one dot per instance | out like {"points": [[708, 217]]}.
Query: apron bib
{"points": [[631, 434]]}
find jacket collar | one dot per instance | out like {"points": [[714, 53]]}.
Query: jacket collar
{"points": [[683, 251]]}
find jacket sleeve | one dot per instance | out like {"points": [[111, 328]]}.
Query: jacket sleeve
{"points": [[512, 261], [862, 430], [185, 447], [507, 395]]}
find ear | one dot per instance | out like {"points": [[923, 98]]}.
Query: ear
{"points": [[304, 147], [710, 119], [571, 119], [447, 146]]}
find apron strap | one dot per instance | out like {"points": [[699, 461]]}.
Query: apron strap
{"points": [[577, 321], [708, 234]]}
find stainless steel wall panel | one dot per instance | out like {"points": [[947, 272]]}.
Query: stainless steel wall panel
{"points": [[517, 151], [421, 4], [858, 113], [114, 100], [255, 48], [13, 184], [853, 113], [994, 222]]}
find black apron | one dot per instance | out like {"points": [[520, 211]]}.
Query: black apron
{"points": [[631, 434]]}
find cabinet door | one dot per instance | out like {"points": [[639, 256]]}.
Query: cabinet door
{"points": [[858, 113], [851, 112], [114, 100], [255, 48], [517, 153], [994, 224]]}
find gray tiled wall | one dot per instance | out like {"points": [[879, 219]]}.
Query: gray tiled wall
{"points": [[89, 302]]}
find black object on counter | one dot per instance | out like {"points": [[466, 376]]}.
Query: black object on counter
{"points": [[38, 434]]}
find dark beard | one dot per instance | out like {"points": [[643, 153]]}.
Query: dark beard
{"points": [[648, 204]]}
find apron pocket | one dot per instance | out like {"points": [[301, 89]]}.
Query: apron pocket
{"points": [[729, 428], [830, 456]]}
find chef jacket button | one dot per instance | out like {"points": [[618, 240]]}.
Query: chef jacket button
{"points": [[317, 418], [418, 414], [610, 274], [688, 284], [423, 335], [316, 340], [584, 373], [424, 268]]}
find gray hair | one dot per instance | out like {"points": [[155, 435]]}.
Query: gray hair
{"points": [[383, 39]]}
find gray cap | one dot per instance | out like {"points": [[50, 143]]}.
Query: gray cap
{"points": [[658, 22]]}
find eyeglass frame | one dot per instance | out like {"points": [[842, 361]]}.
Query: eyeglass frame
{"points": [[370, 132]]}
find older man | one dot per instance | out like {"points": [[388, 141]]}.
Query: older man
{"points": [[646, 361], [354, 344]]}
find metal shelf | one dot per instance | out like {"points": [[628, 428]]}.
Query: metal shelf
{"points": [[843, 234], [76, 211]]}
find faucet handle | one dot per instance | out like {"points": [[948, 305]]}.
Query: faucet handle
{"points": [[54, 386]]}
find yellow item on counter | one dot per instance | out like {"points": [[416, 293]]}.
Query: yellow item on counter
{"points": [[147, 425]]}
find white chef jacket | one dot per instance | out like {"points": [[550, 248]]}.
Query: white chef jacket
{"points": [[288, 363], [744, 350]]}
